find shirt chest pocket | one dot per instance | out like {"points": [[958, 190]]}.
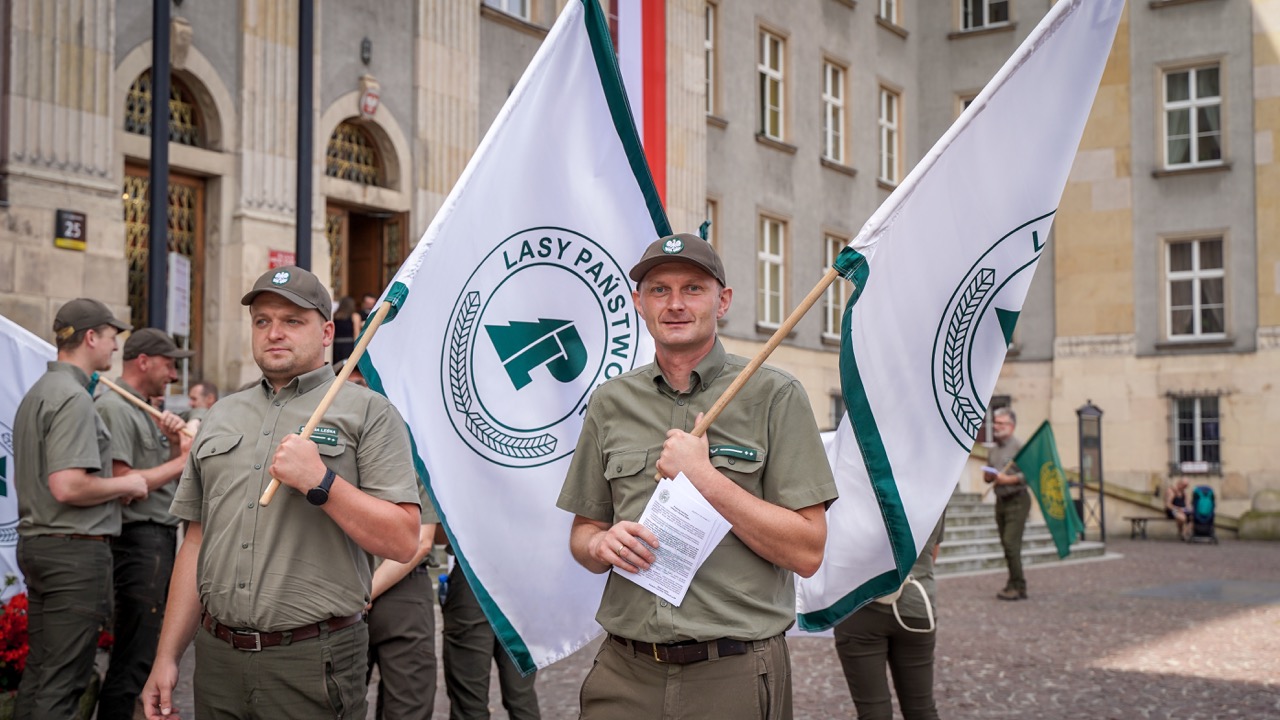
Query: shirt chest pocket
{"points": [[628, 483], [742, 465], [216, 459], [336, 458]]}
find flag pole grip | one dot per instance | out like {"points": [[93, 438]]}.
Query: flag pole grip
{"points": [[778, 336], [374, 323], [144, 405]]}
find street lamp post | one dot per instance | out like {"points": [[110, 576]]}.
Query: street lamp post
{"points": [[1090, 425]]}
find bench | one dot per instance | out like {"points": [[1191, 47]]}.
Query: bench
{"points": [[1138, 525]]}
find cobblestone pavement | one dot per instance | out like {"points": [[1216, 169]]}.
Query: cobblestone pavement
{"points": [[1147, 634]]}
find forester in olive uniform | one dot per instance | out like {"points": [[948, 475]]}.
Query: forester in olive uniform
{"points": [[68, 509], [1013, 501], [143, 553], [721, 653], [274, 595]]}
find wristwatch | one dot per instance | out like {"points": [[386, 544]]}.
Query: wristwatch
{"points": [[319, 494]]}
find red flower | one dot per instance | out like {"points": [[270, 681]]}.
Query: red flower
{"points": [[13, 641]]}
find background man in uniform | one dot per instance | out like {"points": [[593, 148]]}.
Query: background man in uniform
{"points": [[68, 508], [202, 396], [1013, 502], [470, 650], [402, 621], [143, 553], [275, 595], [761, 465]]}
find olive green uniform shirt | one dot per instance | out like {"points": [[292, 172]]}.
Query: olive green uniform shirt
{"points": [[55, 429], [999, 456], [766, 441], [137, 441], [287, 565], [428, 515]]}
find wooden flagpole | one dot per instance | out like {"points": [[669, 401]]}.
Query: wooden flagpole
{"points": [[144, 405], [778, 336], [374, 323]]}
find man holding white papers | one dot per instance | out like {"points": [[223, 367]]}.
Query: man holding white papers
{"points": [[720, 653]]}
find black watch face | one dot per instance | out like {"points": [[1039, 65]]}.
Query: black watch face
{"points": [[317, 496]]}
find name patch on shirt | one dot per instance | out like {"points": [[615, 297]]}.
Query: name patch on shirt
{"points": [[322, 435], [734, 451]]}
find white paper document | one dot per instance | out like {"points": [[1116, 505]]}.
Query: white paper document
{"points": [[688, 529]]}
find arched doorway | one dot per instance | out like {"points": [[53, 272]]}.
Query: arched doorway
{"points": [[186, 213], [367, 243]]}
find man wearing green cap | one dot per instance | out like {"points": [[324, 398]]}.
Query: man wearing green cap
{"points": [[69, 508], [761, 465], [143, 553], [274, 595]]}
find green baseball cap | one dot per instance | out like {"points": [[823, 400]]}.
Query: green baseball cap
{"points": [[685, 248], [296, 285], [83, 314], [150, 341]]}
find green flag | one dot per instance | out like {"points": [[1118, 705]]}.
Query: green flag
{"points": [[1039, 461]]}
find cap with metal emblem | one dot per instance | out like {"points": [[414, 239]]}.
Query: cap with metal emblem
{"points": [[685, 248], [296, 285]]}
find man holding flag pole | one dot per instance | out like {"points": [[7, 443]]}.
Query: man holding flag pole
{"points": [[721, 652]]}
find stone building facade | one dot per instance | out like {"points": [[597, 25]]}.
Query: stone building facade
{"points": [[787, 125]]}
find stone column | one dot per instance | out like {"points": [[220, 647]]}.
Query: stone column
{"points": [[59, 152], [686, 116], [447, 85]]}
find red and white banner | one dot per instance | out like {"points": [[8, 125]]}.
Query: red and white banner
{"points": [[641, 35]]}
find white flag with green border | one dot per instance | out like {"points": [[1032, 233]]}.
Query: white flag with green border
{"points": [[940, 272], [24, 358], [512, 308]]}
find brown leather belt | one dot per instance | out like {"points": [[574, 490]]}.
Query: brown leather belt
{"points": [[98, 538], [684, 653], [253, 641]]}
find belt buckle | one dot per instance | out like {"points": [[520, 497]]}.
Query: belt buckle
{"points": [[257, 640]]}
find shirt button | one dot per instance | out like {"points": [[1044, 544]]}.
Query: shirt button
{"points": [[242, 585], [244, 545], [663, 603], [680, 402], [266, 432], [730, 461], [251, 505], [618, 469], [257, 467], [277, 403]]}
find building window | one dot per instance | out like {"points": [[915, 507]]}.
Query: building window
{"points": [[976, 14], [1192, 117], [1197, 440], [709, 51], [519, 8], [1195, 289], [184, 115], [889, 11], [770, 70], [833, 112], [770, 260], [352, 155], [889, 139], [837, 293]]}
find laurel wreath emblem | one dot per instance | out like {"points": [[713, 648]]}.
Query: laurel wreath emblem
{"points": [[962, 408], [460, 387]]}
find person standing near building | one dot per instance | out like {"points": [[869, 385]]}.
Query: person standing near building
{"points": [[471, 648], [274, 596], [68, 508], [1013, 501], [142, 555], [202, 396], [721, 653], [902, 634]]}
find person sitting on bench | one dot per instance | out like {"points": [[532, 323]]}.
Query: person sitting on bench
{"points": [[1178, 507]]}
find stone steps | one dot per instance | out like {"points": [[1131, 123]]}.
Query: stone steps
{"points": [[972, 544]]}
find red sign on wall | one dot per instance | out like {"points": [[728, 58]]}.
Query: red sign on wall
{"points": [[280, 258]]}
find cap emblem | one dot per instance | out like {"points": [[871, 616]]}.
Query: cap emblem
{"points": [[280, 278], [673, 246]]}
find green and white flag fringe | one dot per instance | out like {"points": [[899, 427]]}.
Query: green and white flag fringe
{"points": [[512, 308], [24, 358], [941, 271]]}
